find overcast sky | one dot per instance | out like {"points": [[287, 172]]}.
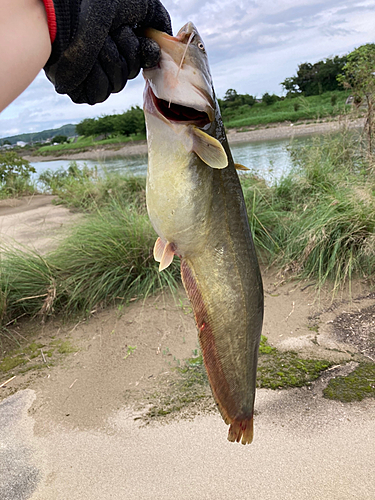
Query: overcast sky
{"points": [[252, 47]]}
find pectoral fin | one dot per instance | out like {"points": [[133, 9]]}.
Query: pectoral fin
{"points": [[209, 149], [163, 253], [159, 249]]}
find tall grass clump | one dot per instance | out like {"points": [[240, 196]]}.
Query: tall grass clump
{"points": [[264, 214], [107, 257], [328, 200], [27, 284]]}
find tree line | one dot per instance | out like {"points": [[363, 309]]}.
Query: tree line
{"points": [[314, 79], [127, 123]]}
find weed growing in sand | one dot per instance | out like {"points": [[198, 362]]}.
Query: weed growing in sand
{"points": [[130, 350], [189, 387], [35, 355], [27, 284]]}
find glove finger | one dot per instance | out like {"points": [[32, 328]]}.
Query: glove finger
{"points": [[129, 48], [157, 17], [114, 65], [150, 52], [94, 89]]}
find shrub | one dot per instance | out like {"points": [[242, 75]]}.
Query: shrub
{"points": [[15, 175]]}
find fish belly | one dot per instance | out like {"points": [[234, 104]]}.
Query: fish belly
{"points": [[178, 194]]}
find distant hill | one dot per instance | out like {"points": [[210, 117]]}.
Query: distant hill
{"points": [[67, 130]]}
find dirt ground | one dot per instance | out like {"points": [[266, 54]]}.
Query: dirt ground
{"points": [[69, 419], [33, 221]]}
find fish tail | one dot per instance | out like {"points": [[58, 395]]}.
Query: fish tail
{"points": [[241, 429]]}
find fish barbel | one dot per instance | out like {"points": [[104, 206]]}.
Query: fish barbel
{"points": [[196, 206]]}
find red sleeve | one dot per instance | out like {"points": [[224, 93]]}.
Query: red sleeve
{"points": [[51, 18]]}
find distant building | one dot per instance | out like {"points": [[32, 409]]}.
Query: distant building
{"points": [[21, 144]]}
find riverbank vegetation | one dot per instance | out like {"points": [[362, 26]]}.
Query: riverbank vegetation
{"points": [[293, 110], [318, 221]]}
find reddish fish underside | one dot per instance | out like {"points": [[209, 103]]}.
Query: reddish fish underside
{"points": [[242, 428]]}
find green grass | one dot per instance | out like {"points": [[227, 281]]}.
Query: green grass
{"points": [[359, 384], [34, 356], [280, 370], [83, 189], [290, 109]]}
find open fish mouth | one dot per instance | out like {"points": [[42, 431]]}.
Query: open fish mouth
{"points": [[178, 113]]}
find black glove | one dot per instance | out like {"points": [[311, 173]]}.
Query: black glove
{"points": [[97, 49]]}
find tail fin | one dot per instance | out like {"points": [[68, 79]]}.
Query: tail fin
{"points": [[242, 429]]}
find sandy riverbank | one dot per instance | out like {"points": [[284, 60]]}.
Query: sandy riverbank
{"points": [[73, 428], [272, 132]]}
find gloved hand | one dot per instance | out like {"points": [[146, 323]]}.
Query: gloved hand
{"points": [[98, 45]]}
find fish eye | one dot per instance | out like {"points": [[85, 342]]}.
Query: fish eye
{"points": [[200, 46]]}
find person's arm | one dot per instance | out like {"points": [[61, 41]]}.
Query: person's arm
{"points": [[25, 46]]}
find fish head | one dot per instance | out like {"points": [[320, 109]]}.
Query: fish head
{"points": [[179, 88]]}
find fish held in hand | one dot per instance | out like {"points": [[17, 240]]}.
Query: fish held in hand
{"points": [[196, 206]]}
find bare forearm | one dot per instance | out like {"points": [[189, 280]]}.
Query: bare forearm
{"points": [[25, 46]]}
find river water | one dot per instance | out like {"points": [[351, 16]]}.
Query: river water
{"points": [[267, 159]]}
